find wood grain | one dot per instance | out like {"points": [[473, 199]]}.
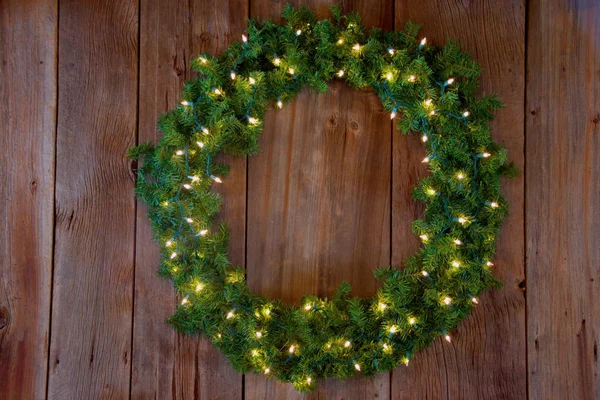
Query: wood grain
{"points": [[485, 359], [319, 200], [167, 364], [27, 127], [563, 199], [95, 209]]}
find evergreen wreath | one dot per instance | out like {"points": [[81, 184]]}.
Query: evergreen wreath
{"points": [[434, 90]]}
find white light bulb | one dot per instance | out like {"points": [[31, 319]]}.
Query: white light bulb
{"points": [[356, 47], [179, 152], [199, 287], [203, 232], [276, 61], [347, 343], [447, 337], [298, 32], [406, 361], [424, 138], [357, 367], [423, 42], [460, 176], [412, 78], [218, 91], [205, 130], [230, 314], [292, 349], [340, 41], [308, 380], [291, 71], [428, 102], [486, 155], [393, 114], [307, 307], [458, 242], [424, 238], [203, 60], [267, 370], [412, 321], [189, 220], [251, 80], [493, 204], [382, 306], [450, 81], [425, 160], [462, 220], [232, 75], [279, 103], [432, 112], [216, 179], [447, 301], [259, 334], [425, 273], [389, 76], [489, 264], [184, 301], [194, 178], [431, 192], [186, 103], [455, 264], [254, 353], [393, 329], [200, 144], [169, 243], [341, 73], [187, 186], [252, 120], [244, 38], [466, 114], [474, 300], [391, 51], [173, 255]]}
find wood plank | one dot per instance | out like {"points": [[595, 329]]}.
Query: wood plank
{"points": [[167, 364], [563, 199], [319, 200], [27, 128], [485, 359], [95, 209]]}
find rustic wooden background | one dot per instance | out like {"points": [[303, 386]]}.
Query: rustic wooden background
{"points": [[82, 310]]}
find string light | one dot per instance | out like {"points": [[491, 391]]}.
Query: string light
{"points": [[179, 152], [205, 130], [308, 380], [474, 300], [424, 138], [357, 367], [340, 41], [276, 61], [230, 314], [186, 103], [356, 47], [389, 76], [466, 114], [485, 155], [423, 42], [298, 32], [393, 114], [251, 80], [391, 51], [447, 337], [412, 321], [291, 71], [431, 192], [252, 120], [173, 255], [425, 273], [447, 301], [254, 353], [412, 78], [232, 75], [216, 179], [460, 176], [462, 220], [187, 186], [406, 360], [493, 204], [347, 343], [458, 242], [259, 334], [279, 104], [200, 144], [292, 349], [218, 91], [308, 307], [199, 287], [425, 160], [489, 264], [382, 306], [424, 237], [169, 243], [189, 220], [267, 370], [432, 112], [244, 39], [449, 82], [203, 232], [428, 102], [393, 329], [184, 301], [203, 60], [341, 73], [455, 264]]}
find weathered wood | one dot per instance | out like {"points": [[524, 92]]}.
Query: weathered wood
{"points": [[563, 199], [167, 364], [485, 359], [95, 209], [319, 200], [27, 129]]}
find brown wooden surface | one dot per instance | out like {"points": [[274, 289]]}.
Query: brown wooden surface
{"points": [[167, 364], [90, 347], [28, 43], [563, 199], [82, 310], [485, 358]]}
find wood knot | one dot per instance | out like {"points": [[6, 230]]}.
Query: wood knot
{"points": [[3, 317], [33, 186], [354, 125]]}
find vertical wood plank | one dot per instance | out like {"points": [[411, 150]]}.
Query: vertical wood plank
{"points": [[27, 129], [95, 209], [486, 357], [167, 364], [563, 199], [319, 200]]}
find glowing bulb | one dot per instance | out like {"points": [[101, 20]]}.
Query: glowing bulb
{"points": [[347, 343], [460, 176], [267, 370], [474, 300], [230, 314], [187, 186], [252, 120], [308, 380], [447, 301], [489, 263], [458, 242], [493, 204], [205, 130], [425, 273], [259, 334], [340, 41], [424, 238], [391, 51], [179, 152], [486, 155], [393, 114], [389, 76], [462, 220], [219, 335], [254, 353], [412, 78], [279, 104], [455, 264], [189, 220], [169, 243], [382, 306], [432, 112], [292, 349], [428, 102], [199, 287], [216, 179], [217, 91], [173, 255], [425, 160], [431, 192], [356, 47], [423, 42], [393, 329], [251, 80], [203, 60], [232, 75], [203, 232], [341, 73], [406, 361], [291, 71], [268, 311], [184, 301], [447, 337], [276, 61], [244, 38], [450, 81], [308, 307], [424, 138], [298, 32], [386, 347], [412, 321], [357, 367], [328, 345], [186, 103], [200, 144], [466, 114]]}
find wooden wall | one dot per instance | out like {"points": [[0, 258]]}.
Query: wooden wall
{"points": [[82, 310]]}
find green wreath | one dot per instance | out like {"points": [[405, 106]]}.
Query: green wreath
{"points": [[434, 90]]}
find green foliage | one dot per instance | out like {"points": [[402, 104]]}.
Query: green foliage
{"points": [[435, 93]]}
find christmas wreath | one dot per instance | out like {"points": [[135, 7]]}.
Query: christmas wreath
{"points": [[432, 91]]}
